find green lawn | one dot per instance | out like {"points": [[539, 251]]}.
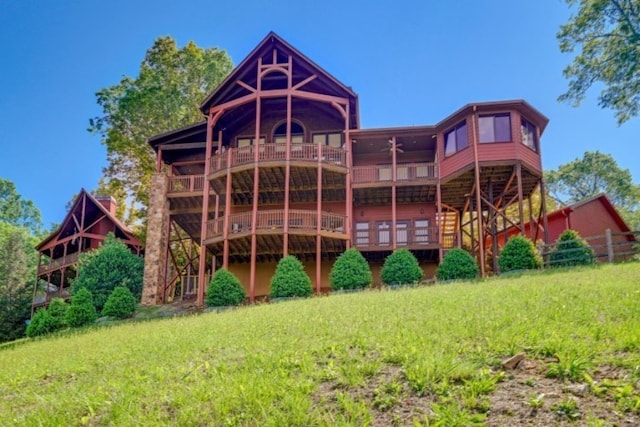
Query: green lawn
{"points": [[422, 356]]}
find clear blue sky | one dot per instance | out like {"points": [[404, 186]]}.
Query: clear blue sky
{"points": [[411, 62]]}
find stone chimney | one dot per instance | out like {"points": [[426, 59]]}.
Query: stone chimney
{"points": [[109, 203]]}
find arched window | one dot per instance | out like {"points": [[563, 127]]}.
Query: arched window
{"points": [[280, 133]]}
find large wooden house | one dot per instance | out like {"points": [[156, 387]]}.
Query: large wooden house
{"points": [[83, 229], [281, 166]]}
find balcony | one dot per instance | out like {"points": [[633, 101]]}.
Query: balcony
{"points": [[300, 153], [303, 222], [58, 263], [377, 237], [185, 184], [382, 175]]}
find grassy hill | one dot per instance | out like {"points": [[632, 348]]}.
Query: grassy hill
{"points": [[420, 357]]}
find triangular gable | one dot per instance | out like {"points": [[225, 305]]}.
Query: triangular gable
{"points": [[246, 72], [69, 227]]}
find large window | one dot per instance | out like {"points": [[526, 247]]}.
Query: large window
{"points": [[455, 139], [247, 141], [495, 128], [297, 133], [529, 137], [332, 139]]}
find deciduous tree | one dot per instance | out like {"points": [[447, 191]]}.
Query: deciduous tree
{"points": [[165, 95], [18, 211], [596, 173], [606, 34]]}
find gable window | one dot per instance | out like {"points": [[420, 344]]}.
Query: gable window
{"points": [[280, 133], [455, 139], [528, 131], [496, 128], [332, 139]]}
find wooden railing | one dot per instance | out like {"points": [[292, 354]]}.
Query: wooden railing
{"points": [[186, 183], [299, 220], [277, 152], [55, 264], [405, 172], [380, 238]]}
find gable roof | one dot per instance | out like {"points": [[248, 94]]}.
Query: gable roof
{"points": [[606, 203], [67, 227], [228, 89]]}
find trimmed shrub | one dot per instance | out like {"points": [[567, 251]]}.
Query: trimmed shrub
{"points": [[519, 254], [111, 265], [120, 304], [224, 289], [350, 271], [48, 320], [571, 249], [81, 311], [457, 264], [400, 268], [290, 279]]}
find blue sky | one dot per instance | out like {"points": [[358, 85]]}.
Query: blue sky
{"points": [[411, 63]]}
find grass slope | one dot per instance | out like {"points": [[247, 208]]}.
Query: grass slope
{"points": [[424, 356]]}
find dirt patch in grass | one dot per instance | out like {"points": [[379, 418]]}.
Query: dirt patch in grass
{"points": [[527, 398]]}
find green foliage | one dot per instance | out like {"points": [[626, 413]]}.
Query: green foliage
{"points": [[519, 254], [457, 264], [350, 271], [400, 268], [591, 175], [112, 265], [17, 211], [120, 304], [46, 321], [166, 94], [571, 249], [81, 311], [18, 261], [606, 33], [290, 279], [224, 289]]}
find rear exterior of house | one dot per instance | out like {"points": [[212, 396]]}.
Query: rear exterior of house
{"points": [[281, 166]]}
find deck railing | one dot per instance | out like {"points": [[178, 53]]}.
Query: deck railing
{"points": [[186, 183], [299, 220], [57, 263], [379, 238], [277, 152], [405, 172]]}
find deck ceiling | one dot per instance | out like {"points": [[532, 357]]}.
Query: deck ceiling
{"points": [[404, 194], [456, 191], [270, 248], [303, 185]]}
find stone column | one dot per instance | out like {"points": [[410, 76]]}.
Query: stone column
{"points": [[155, 258]]}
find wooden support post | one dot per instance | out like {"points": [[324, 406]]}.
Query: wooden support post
{"points": [[227, 213], [205, 212], [319, 223], [493, 229], [256, 187], [440, 221], [35, 286], [349, 189], [520, 197], [394, 176], [287, 174], [609, 238], [481, 260], [543, 206]]}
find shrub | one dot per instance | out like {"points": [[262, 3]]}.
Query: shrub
{"points": [[81, 311], [112, 265], [519, 254], [290, 279], [457, 264], [48, 320], [224, 289], [571, 249], [401, 267], [350, 271], [120, 304]]}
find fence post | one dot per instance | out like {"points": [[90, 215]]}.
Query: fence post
{"points": [[609, 245]]}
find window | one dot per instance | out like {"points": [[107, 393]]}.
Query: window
{"points": [[455, 139], [528, 131], [402, 235], [332, 139], [246, 142], [495, 128], [422, 231], [362, 234], [297, 133], [384, 235]]}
